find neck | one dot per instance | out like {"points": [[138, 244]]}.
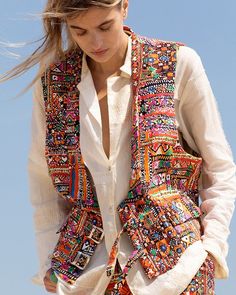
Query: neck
{"points": [[113, 65]]}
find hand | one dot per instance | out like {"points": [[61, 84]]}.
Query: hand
{"points": [[50, 285]]}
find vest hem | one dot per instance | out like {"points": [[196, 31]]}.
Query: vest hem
{"points": [[174, 281]]}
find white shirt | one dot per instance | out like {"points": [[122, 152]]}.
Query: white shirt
{"points": [[198, 120]]}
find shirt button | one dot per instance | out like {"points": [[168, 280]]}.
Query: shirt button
{"points": [[109, 168]]}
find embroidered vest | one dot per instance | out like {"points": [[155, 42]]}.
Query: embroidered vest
{"points": [[160, 213]]}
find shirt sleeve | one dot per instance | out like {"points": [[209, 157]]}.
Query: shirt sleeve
{"points": [[50, 210], [201, 126]]}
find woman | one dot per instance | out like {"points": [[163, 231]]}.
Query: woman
{"points": [[110, 98]]}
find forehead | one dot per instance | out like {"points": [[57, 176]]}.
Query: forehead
{"points": [[93, 16]]}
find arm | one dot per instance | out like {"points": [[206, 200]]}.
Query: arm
{"points": [[50, 210], [200, 123]]}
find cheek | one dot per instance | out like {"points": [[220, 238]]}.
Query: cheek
{"points": [[76, 39], [116, 39], [81, 42]]}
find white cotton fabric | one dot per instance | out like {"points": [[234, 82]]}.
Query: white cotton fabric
{"points": [[199, 122]]}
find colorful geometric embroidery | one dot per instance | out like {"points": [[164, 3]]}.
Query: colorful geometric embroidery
{"points": [[117, 286], [79, 236], [203, 283], [161, 226], [163, 195]]}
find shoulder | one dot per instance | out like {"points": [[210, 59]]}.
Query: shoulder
{"points": [[62, 63], [188, 67], [189, 61], [187, 58]]}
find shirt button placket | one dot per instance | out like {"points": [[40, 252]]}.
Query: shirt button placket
{"points": [[111, 209], [111, 205]]}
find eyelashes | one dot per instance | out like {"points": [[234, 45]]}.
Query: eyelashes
{"points": [[101, 29]]}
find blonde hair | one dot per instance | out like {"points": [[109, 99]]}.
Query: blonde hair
{"points": [[57, 40]]}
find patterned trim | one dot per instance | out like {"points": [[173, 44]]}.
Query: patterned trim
{"points": [[203, 283]]}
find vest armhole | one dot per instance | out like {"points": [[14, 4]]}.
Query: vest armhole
{"points": [[186, 147]]}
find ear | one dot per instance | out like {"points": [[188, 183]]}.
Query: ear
{"points": [[125, 6]]}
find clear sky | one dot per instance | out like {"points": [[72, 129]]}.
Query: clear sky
{"points": [[208, 26]]}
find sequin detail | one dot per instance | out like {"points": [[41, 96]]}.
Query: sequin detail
{"points": [[79, 236], [203, 283], [117, 286]]}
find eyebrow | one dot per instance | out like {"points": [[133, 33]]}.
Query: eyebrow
{"points": [[102, 24]]}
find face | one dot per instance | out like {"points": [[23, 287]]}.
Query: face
{"points": [[99, 31]]}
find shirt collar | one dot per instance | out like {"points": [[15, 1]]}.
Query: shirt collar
{"points": [[126, 67]]}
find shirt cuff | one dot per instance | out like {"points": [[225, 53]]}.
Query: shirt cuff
{"points": [[37, 280]]}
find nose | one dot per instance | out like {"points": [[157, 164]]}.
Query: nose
{"points": [[96, 42]]}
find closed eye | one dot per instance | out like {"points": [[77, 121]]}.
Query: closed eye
{"points": [[104, 29], [81, 33], [106, 26]]}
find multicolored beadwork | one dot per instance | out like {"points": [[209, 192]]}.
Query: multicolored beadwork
{"points": [[161, 226], [79, 236], [162, 202], [117, 286], [203, 283]]}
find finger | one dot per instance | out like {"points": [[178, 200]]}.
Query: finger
{"points": [[51, 290], [51, 278], [49, 285]]}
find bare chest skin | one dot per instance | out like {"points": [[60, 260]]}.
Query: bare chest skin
{"points": [[100, 84]]}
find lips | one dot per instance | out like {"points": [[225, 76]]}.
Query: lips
{"points": [[99, 52]]}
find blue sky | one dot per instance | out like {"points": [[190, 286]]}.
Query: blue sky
{"points": [[208, 26]]}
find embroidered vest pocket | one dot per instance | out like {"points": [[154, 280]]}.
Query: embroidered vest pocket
{"points": [[161, 226], [79, 236]]}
